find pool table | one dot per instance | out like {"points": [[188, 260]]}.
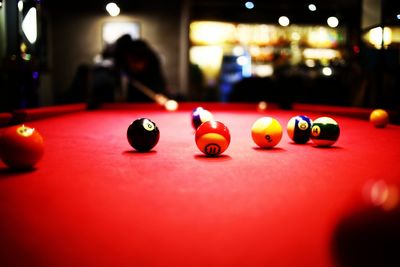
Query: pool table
{"points": [[94, 201]]}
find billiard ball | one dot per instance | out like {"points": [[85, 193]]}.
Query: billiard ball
{"points": [[262, 106], [21, 147], [266, 132], [199, 116], [212, 138], [299, 129], [143, 134], [195, 111], [379, 118], [325, 131], [171, 105]]}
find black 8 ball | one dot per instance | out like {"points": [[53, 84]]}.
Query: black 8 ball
{"points": [[143, 134]]}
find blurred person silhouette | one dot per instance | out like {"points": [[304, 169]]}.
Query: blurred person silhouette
{"points": [[126, 66]]}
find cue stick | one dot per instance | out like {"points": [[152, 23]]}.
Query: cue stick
{"points": [[158, 98]]}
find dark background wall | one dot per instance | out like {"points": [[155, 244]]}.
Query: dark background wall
{"points": [[75, 38]]}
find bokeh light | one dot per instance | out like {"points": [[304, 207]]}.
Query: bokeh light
{"points": [[249, 5], [333, 22], [312, 7], [284, 21], [113, 9], [327, 71], [382, 194]]}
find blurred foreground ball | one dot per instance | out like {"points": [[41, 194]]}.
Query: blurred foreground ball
{"points": [[21, 147]]}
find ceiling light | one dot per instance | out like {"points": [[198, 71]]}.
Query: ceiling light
{"points": [[112, 9], [312, 7], [249, 5], [29, 25], [284, 21], [333, 22]]}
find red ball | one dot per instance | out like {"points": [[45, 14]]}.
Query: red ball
{"points": [[21, 147], [212, 138]]}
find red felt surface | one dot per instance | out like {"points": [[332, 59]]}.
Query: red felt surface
{"points": [[5, 118], [24, 115], [93, 201]]}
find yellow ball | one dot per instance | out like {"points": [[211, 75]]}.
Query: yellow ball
{"points": [[266, 132], [379, 118]]}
